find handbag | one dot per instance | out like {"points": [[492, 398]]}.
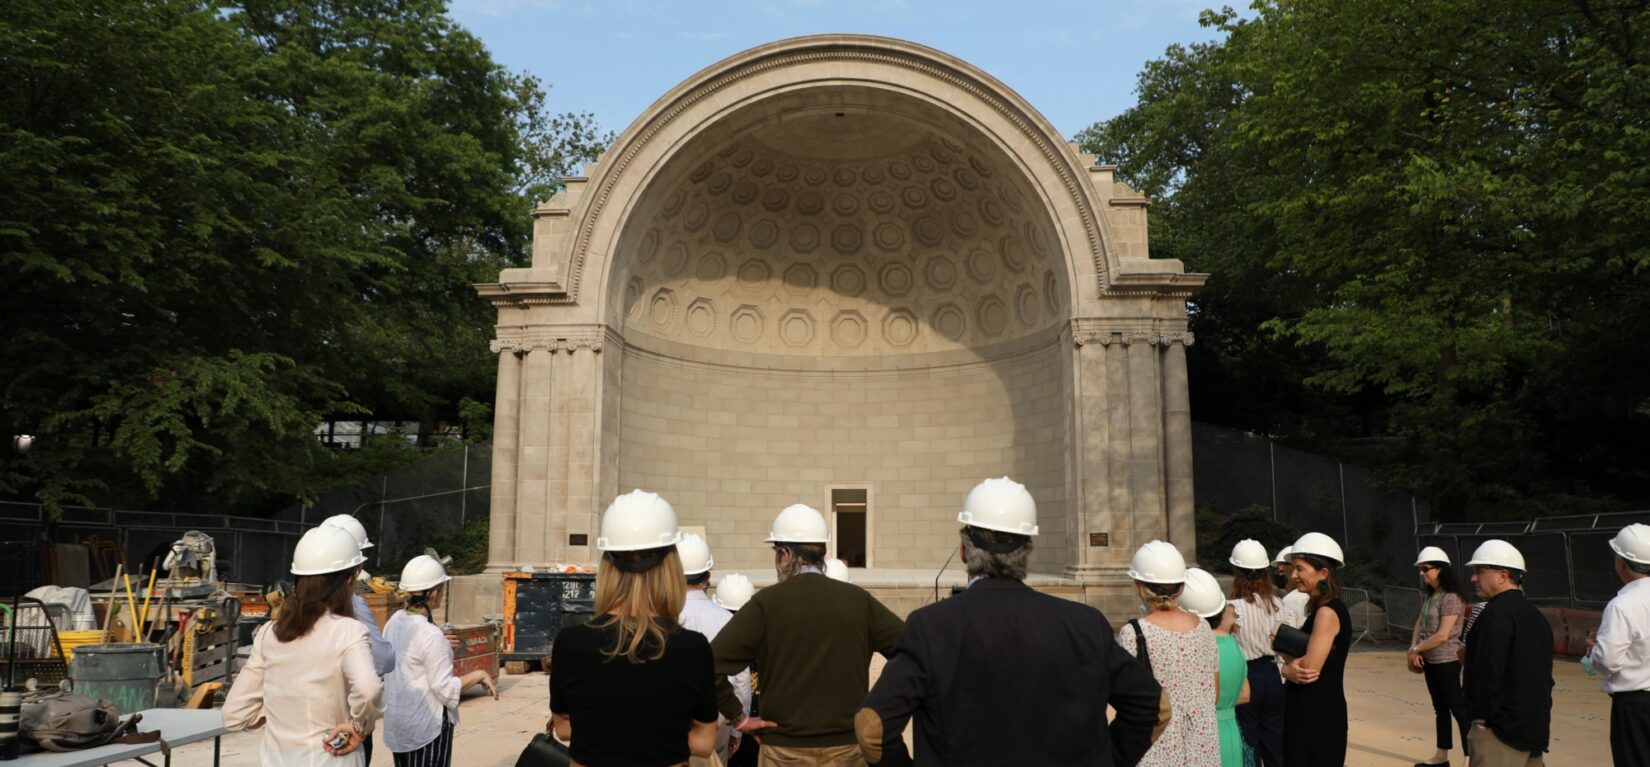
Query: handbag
{"points": [[544, 751], [1290, 641]]}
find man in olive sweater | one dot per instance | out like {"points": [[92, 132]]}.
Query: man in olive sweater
{"points": [[812, 637]]}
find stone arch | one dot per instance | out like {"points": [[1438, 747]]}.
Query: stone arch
{"points": [[802, 234]]}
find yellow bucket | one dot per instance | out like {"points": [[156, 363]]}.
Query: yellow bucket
{"points": [[73, 639]]}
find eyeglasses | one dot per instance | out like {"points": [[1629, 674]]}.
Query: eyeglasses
{"points": [[1427, 568]]}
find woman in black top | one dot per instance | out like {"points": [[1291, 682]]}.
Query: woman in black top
{"points": [[639, 688], [1314, 703]]}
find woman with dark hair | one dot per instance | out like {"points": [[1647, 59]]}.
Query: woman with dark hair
{"points": [[1314, 702], [421, 694], [1435, 651], [310, 682], [640, 687], [1259, 612]]}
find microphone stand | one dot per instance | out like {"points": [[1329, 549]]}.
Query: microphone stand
{"points": [[941, 573]]}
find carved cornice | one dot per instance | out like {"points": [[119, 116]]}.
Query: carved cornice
{"points": [[570, 339], [1105, 332], [524, 294]]}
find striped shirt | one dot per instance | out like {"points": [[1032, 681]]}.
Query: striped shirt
{"points": [[1256, 623]]}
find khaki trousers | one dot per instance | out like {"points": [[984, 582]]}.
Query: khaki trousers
{"points": [[1490, 751], [721, 757], [830, 756]]}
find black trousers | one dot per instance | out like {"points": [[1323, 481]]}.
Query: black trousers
{"points": [[366, 749], [1261, 719], [1630, 728], [1444, 685]]}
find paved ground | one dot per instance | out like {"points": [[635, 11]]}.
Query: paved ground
{"points": [[1391, 720]]}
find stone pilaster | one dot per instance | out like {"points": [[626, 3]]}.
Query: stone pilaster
{"points": [[1177, 444], [501, 530]]}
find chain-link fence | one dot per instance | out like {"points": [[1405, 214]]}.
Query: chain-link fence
{"points": [[249, 550], [411, 507], [1569, 558], [1235, 471]]}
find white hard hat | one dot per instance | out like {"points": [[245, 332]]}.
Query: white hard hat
{"points": [[1497, 553], [1432, 554], [1248, 554], [1000, 504], [325, 550], [1320, 546], [1202, 595], [423, 573], [1283, 555], [734, 591], [1633, 544], [695, 554], [836, 570], [1158, 562], [799, 523], [636, 521], [352, 526]]}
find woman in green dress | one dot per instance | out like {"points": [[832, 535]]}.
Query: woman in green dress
{"points": [[1204, 597]]}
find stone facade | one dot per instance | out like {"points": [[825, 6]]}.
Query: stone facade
{"points": [[844, 262]]}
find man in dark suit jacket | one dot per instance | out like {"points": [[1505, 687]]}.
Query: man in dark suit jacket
{"points": [[1002, 674]]}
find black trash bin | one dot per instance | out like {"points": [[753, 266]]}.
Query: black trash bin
{"points": [[537, 606]]}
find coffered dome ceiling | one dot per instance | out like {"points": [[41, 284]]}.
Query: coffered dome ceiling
{"points": [[857, 233]]}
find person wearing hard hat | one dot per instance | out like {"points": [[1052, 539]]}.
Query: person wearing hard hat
{"points": [[1294, 601], [1180, 652], [1203, 598], [1621, 650], [1314, 700], [637, 684], [811, 639], [309, 682], [1509, 669], [383, 654], [700, 614], [1259, 612], [961, 661], [1435, 651], [732, 593], [421, 696]]}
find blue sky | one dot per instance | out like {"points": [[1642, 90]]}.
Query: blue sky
{"points": [[1075, 61]]}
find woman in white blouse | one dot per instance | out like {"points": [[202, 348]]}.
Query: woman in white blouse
{"points": [[421, 694], [310, 683]]}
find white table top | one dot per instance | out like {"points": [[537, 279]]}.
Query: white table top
{"points": [[177, 727]]}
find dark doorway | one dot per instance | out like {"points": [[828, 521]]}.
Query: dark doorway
{"points": [[852, 509]]}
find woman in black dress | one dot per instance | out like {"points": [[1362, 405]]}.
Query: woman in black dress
{"points": [[1314, 711], [632, 687]]}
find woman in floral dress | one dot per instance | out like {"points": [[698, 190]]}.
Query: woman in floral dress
{"points": [[1182, 655]]}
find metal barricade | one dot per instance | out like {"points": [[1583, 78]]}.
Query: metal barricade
{"points": [[1368, 620], [1403, 606]]}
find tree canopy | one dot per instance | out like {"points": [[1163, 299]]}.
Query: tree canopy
{"points": [[226, 222], [1428, 230]]}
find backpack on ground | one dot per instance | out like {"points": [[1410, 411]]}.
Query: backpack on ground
{"points": [[69, 722]]}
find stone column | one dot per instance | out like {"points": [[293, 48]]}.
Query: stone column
{"points": [[1177, 444], [1095, 517], [533, 464], [1145, 437], [501, 530]]}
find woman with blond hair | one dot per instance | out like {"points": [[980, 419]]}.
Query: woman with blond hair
{"points": [[310, 683], [1179, 649], [640, 688]]}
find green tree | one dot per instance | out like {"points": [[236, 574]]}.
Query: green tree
{"points": [[1428, 228], [227, 222]]}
